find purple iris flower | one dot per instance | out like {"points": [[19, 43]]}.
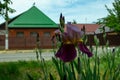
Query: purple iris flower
{"points": [[71, 38], [66, 52], [84, 49]]}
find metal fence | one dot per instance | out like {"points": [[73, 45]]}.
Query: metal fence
{"points": [[2, 41], [45, 42], [113, 40], [26, 42]]}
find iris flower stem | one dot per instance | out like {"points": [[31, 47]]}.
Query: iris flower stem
{"points": [[73, 71], [43, 64], [95, 65], [53, 47]]}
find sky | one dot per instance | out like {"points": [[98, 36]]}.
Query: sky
{"points": [[82, 11]]}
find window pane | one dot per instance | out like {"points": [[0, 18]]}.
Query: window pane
{"points": [[33, 34], [20, 34], [47, 34]]}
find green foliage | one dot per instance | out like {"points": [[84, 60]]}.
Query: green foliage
{"points": [[51, 77], [8, 72], [112, 20], [19, 70], [100, 67], [74, 22], [4, 8]]}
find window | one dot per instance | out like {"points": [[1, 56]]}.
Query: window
{"points": [[20, 34], [33, 34], [47, 34]]}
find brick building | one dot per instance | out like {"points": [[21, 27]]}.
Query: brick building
{"points": [[24, 28]]}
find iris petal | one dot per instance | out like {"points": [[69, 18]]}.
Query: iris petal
{"points": [[66, 52], [84, 49], [74, 32]]}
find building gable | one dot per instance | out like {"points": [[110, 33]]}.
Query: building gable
{"points": [[33, 18]]}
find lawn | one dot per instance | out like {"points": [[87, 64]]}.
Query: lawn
{"points": [[23, 70], [102, 67]]}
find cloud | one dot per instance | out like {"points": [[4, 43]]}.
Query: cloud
{"points": [[80, 10]]}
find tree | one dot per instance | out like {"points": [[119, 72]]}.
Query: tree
{"points": [[74, 22], [112, 20], [4, 10]]}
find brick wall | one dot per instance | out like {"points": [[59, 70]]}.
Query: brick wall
{"points": [[12, 32]]}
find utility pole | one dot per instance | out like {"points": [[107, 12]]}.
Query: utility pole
{"points": [[6, 26]]}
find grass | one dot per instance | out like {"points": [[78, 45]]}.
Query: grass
{"points": [[21, 69]]}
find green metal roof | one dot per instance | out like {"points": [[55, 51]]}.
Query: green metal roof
{"points": [[33, 18]]}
